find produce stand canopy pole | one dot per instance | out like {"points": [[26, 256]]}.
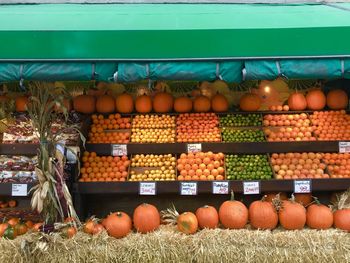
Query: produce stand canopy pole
{"points": [[172, 31]]}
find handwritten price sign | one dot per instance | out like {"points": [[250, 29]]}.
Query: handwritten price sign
{"points": [[147, 188], [189, 188], [119, 150], [220, 188], [344, 147], [19, 190], [302, 186], [251, 188], [194, 147]]}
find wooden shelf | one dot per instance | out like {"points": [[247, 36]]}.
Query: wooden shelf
{"points": [[205, 187], [6, 188]]}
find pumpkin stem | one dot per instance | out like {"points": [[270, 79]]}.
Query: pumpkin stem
{"points": [[315, 201], [232, 196], [292, 198], [277, 202], [119, 214], [263, 199]]}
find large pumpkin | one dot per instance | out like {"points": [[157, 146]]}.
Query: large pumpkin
{"points": [[250, 102], [219, 103], [263, 215], [201, 104], [292, 215], [316, 100], [183, 104], [146, 218], [233, 214], [297, 101], [337, 99], [163, 102], [187, 223], [342, 219], [207, 217], [124, 103], [304, 199], [84, 104], [143, 104], [105, 104], [319, 216], [21, 103], [117, 224]]}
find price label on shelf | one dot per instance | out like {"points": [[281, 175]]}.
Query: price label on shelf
{"points": [[251, 188], [220, 188], [302, 186], [344, 147], [19, 190], [119, 149], [194, 147], [148, 188], [188, 188]]}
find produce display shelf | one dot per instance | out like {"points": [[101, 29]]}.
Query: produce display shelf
{"points": [[224, 147], [206, 187], [19, 148], [7, 188]]}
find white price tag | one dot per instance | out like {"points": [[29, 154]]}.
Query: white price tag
{"points": [[251, 188], [119, 149], [302, 186], [189, 188], [148, 188], [344, 147], [19, 190], [220, 188], [194, 147]]}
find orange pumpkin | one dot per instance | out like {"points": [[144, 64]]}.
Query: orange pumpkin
{"points": [[201, 104], [292, 215], [342, 219], [13, 221], [219, 103], [12, 203], [316, 100], [250, 102], [98, 228], [207, 217], [304, 199], [263, 215], [337, 99], [21, 103], [117, 224], [319, 216], [143, 104], [30, 224], [187, 223], [69, 232], [146, 218], [37, 227], [3, 227], [21, 229], [297, 101], [272, 195], [183, 104], [233, 214], [84, 104], [105, 104], [163, 102], [89, 227], [124, 103]]}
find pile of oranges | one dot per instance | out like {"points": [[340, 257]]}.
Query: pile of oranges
{"points": [[338, 164], [331, 125], [103, 168], [108, 130], [201, 166]]}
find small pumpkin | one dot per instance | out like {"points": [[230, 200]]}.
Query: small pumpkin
{"points": [[187, 223], [89, 226], [146, 218], [21, 229], [337, 99], [233, 214], [207, 217], [3, 227], [304, 199], [37, 227], [13, 221], [319, 216], [12, 203], [117, 224], [69, 232], [250, 102], [21, 103], [105, 104], [124, 103], [292, 215], [183, 104], [29, 224], [219, 103], [143, 104], [263, 215], [341, 219], [316, 100], [297, 101], [84, 104], [163, 102], [272, 195], [98, 228], [201, 104]]}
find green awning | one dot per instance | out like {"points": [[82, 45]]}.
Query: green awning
{"points": [[172, 31]]}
